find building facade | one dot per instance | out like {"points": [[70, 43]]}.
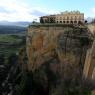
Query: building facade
{"points": [[48, 19], [73, 17]]}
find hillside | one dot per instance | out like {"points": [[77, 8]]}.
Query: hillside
{"points": [[5, 29], [19, 23]]}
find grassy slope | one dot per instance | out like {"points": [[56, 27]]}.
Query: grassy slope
{"points": [[11, 44], [8, 38]]}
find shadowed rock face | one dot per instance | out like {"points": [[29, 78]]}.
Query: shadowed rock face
{"points": [[89, 67], [61, 44]]}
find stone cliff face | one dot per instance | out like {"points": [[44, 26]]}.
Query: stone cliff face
{"points": [[59, 43], [91, 27], [89, 67]]}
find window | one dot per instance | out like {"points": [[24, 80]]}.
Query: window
{"points": [[79, 22], [67, 21], [71, 22], [60, 21], [63, 18], [63, 21], [60, 18], [75, 21]]}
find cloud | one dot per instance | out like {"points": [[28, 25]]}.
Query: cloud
{"points": [[3, 10], [93, 10], [38, 13], [14, 10], [18, 10]]}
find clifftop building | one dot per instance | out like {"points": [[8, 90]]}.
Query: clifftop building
{"points": [[73, 17]]}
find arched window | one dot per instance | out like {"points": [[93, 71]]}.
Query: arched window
{"points": [[63, 18], [67, 21], [63, 21], [75, 21], [60, 21], [79, 22], [71, 22]]}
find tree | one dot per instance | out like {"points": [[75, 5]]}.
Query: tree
{"points": [[86, 21], [2, 59], [41, 20]]}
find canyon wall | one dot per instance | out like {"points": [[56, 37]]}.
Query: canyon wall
{"points": [[57, 44], [89, 67], [91, 27]]}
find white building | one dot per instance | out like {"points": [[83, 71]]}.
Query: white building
{"points": [[73, 17]]}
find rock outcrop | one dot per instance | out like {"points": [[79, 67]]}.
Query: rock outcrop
{"points": [[60, 43], [89, 67], [91, 27]]}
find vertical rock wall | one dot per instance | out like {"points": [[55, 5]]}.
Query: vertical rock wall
{"points": [[56, 42], [91, 27], [89, 67]]}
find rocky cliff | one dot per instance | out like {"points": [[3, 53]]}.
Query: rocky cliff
{"points": [[89, 67], [58, 44], [91, 27]]}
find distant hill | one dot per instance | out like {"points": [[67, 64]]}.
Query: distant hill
{"points": [[8, 29], [23, 24]]}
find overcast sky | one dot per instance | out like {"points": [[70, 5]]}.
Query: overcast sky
{"points": [[28, 10]]}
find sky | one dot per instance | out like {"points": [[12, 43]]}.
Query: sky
{"points": [[29, 10]]}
